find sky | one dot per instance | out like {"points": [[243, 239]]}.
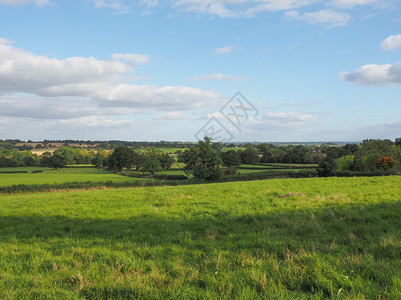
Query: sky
{"points": [[176, 70]]}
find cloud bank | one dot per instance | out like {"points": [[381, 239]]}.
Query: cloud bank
{"points": [[37, 86]]}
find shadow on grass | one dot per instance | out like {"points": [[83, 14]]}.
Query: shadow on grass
{"points": [[334, 232], [359, 228]]}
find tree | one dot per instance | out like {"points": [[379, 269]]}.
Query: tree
{"points": [[385, 163], [58, 161], [166, 161], [150, 161], [250, 156], [99, 158], [231, 158], [122, 157], [202, 161], [327, 166]]}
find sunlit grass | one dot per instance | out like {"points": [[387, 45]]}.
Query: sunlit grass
{"points": [[274, 239], [50, 176]]}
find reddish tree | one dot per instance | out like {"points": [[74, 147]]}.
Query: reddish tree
{"points": [[385, 162]]}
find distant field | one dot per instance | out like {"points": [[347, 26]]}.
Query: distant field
{"points": [[50, 176], [165, 150], [319, 238]]}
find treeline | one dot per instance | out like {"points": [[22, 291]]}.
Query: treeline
{"points": [[370, 156], [107, 145], [58, 159]]}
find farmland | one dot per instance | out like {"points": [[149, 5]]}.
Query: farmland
{"points": [[273, 239], [50, 176]]}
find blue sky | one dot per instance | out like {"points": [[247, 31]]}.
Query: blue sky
{"points": [[154, 70]]}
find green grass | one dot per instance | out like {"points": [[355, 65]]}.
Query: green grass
{"points": [[50, 176], [336, 238]]}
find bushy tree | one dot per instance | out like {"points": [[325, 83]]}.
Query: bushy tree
{"points": [[327, 166], [385, 163], [250, 156], [122, 157], [99, 158], [231, 158], [150, 161], [166, 161], [58, 161], [202, 161]]}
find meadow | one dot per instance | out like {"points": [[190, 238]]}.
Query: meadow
{"points": [[316, 238], [60, 176]]}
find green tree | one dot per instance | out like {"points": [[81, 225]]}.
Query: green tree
{"points": [[166, 161], [99, 158], [231, 158], [122, 157], [150, 161], [250, 156], [327, 166], [202, 161], [58, 161]]}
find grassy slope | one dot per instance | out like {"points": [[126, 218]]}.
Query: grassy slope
{"points": [[50, 176], [340, 238]]}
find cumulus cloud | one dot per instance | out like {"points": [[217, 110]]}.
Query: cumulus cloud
{"points": [[370, 75], [40, 87], [328, 17], [218, 77], [24, 2], [224, 50], [391, 43]]}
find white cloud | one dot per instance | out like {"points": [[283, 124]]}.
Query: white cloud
{"points": [[351, 3], [290, 117], [238, 8], [218, 77], [95, 121], [391, 43], [24, 2], [33, 86], [134, 59], [370, 75], [116, 5], [328, 17], [173, 115], [224, 50]]}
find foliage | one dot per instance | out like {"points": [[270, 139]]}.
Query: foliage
{"points": [[385, 163], [345, 162], [250, 156], [58, 161], [231, 158], [202, 161], [150, 161], [166, 161], [327, 166], [121, 158], [99, 159]]}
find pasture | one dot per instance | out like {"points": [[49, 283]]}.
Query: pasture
{"points": [[313, 238], [60, 176]]}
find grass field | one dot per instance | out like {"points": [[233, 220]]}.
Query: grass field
{"points": [[316, 238], [50, 176]]}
